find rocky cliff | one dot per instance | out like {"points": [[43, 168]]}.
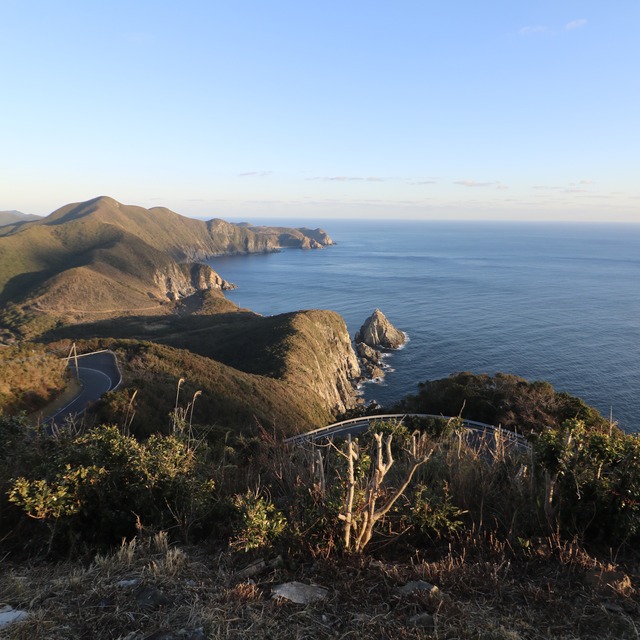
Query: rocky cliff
{"points": [[377, 331], [302, 238], [321, 358], [181, 280]]}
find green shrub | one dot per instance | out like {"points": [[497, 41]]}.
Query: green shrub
{"points": [[259, 523], [102, 486], [433, 513], [591, 481]]}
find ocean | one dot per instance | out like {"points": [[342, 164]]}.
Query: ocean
{"points": [[545, 301]]}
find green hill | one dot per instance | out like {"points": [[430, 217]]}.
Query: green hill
{"points": [[102, 259], [293, 371]]}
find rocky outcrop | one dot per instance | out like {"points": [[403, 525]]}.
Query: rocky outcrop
{"points": [[203, 277], [182, 280], [370, 361], [377, 331], [375, 334], [229, 238]]}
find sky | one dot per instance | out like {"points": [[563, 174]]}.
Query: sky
{"points": [[492, 110]]}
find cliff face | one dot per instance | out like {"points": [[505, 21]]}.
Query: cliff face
{"points": [[182, 280], [321, 358]]}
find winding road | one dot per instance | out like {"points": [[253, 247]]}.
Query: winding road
{"points": [[98, 373]]}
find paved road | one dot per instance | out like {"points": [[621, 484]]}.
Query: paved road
{"points": [[98, 373]]}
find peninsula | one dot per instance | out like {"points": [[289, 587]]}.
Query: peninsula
{"points": [[108, 275]]}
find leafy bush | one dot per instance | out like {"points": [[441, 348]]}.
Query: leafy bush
{"points": [[433, 513], [259, 522], [102, 486], [591, 481]]}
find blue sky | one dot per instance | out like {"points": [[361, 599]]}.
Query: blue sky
{"points": [[311, 110]]}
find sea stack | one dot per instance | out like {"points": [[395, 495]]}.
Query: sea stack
{"points": [[375, 334], [378, 332]]}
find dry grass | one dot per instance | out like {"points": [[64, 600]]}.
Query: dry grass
{"points": [[153, 590], [29, 378]]}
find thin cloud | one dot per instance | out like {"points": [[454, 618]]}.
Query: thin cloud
{"points": [[534, 30], [420, 182], [575, 24], [258, 174], [348, 179], [353, 178], [474, 183]]}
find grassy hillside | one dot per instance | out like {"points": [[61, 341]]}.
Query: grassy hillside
{"points": [[296, 367], [30, 376], [309, 349], [101, 259], [230, 398]]}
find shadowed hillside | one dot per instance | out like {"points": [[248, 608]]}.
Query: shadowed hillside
{"points": [[309, 353]]}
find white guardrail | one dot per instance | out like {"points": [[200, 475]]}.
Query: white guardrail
{"points": [[93, 353], [365, 421]]}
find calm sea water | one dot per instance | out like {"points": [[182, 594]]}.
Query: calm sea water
{"points": [[544, 301]]}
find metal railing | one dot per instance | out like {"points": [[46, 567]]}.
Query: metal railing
{"points": [[365, 421], [92, 353]]}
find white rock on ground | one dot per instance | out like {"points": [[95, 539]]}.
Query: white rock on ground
{"points": [[299, 592], [9, 615]]}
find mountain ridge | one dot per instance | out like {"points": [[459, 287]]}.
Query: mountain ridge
{"points": [[15, 217], [100, 257]]}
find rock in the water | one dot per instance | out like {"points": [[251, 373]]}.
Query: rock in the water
{"points": [[368, 353], [299, 592], [377, 331], [372, 371]]}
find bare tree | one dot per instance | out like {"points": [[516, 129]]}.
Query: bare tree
{"points": [[358, 527]]}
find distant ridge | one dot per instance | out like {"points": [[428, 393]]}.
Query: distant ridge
{"points": [[11, 217], [101, 258]]}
